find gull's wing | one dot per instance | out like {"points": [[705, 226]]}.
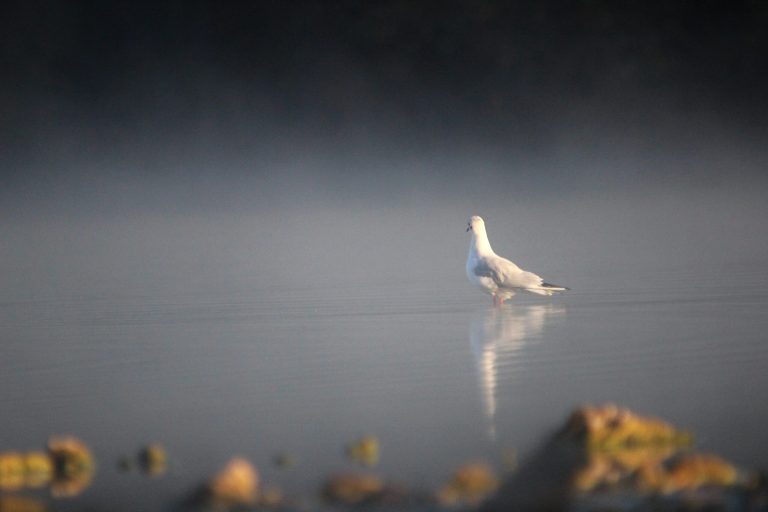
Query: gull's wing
{"points": [[506, 274]]}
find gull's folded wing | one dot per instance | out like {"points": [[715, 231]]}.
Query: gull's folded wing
{"points": [[506, 274]]}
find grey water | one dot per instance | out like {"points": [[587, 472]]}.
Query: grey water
{"points": [[226, 336]]}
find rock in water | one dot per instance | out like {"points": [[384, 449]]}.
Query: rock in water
{"points": [[615, 428], [469, 485], [352, 488], [236, 485], [611, 458], [21, 504]]}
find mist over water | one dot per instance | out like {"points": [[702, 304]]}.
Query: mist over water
{"points": [[307, 236], [186, 141]]}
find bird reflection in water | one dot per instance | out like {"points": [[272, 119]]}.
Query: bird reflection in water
{"points": [[496, 336]]}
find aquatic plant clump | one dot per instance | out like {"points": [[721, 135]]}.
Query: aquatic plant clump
{"points": [[365, 450], [154, 459], [11, 471], [67, 468], [38, 469], [73, 465]]}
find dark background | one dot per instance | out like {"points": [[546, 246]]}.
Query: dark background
{"points": [[110, 107]]}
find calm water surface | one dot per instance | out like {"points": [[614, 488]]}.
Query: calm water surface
{"points": [[439, 378]]}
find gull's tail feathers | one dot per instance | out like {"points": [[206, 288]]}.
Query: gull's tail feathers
{"points": [[554, 287], [547, 289]]}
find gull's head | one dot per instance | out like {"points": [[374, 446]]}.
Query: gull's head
{"points": [[475, 223]]}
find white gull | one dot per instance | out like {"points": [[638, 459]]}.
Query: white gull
{"points": [[498, 276]]}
